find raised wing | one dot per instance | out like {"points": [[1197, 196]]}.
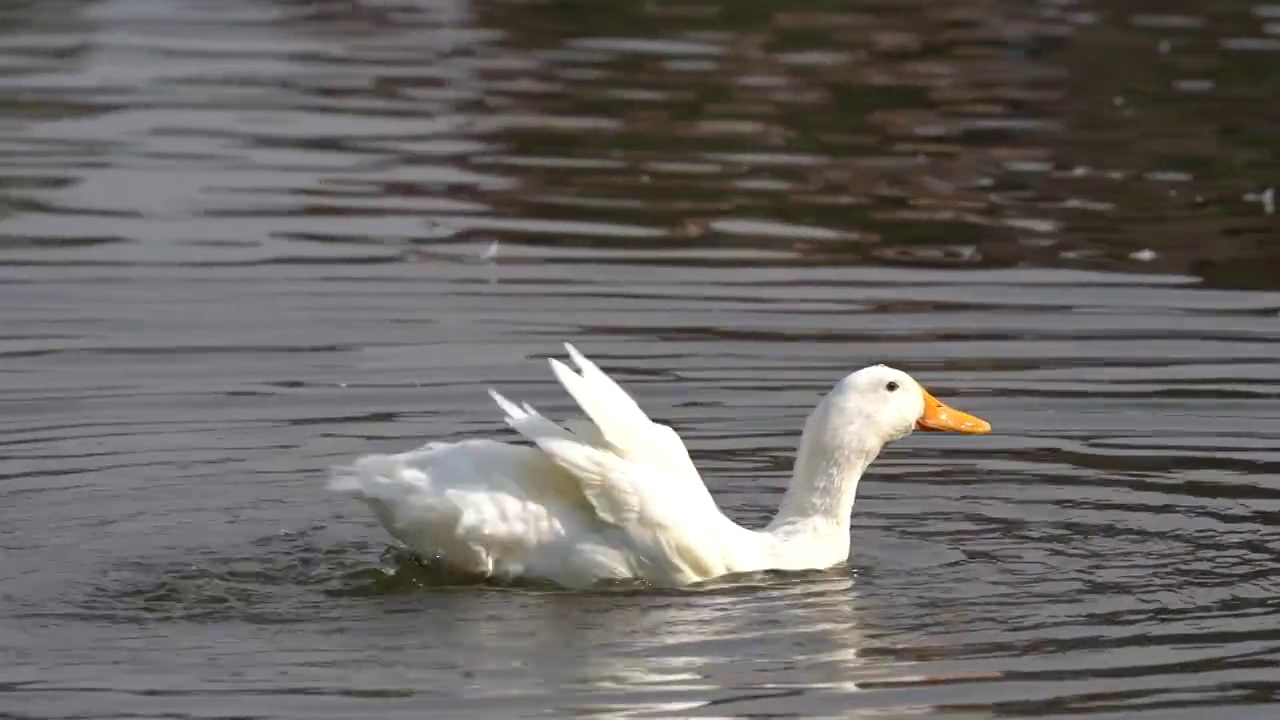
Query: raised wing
{"points": [[636, 473], [621, 423]]}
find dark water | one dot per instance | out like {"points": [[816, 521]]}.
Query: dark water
{"points": [[241, 241]]}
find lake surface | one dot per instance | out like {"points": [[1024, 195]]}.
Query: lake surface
{"points": [[243, 241]]}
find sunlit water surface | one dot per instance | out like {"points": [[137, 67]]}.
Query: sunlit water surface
{"points": [[243, 241]]}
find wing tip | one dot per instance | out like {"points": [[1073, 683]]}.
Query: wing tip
{"points": [[563, 372], [585, 366], [512, 410]]}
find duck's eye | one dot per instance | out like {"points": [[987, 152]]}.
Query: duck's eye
{"points": [[891, 386]]}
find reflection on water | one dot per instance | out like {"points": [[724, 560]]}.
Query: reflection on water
{"points": [[242, 241], [965, 134]]}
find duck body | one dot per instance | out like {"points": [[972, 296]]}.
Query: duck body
{"points": [[616, 496], [508, 511]]}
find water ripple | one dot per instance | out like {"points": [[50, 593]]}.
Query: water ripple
{"points": [[243, 241]]}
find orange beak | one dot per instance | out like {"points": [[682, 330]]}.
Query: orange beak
{"points": [[939, 417]]}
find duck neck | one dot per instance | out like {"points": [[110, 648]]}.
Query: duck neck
{"points": [[824, 483]]}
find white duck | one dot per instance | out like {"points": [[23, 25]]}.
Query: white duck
{"points": [[619, 498]]}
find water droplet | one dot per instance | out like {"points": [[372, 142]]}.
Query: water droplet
{"points": [[1266, 197]]}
